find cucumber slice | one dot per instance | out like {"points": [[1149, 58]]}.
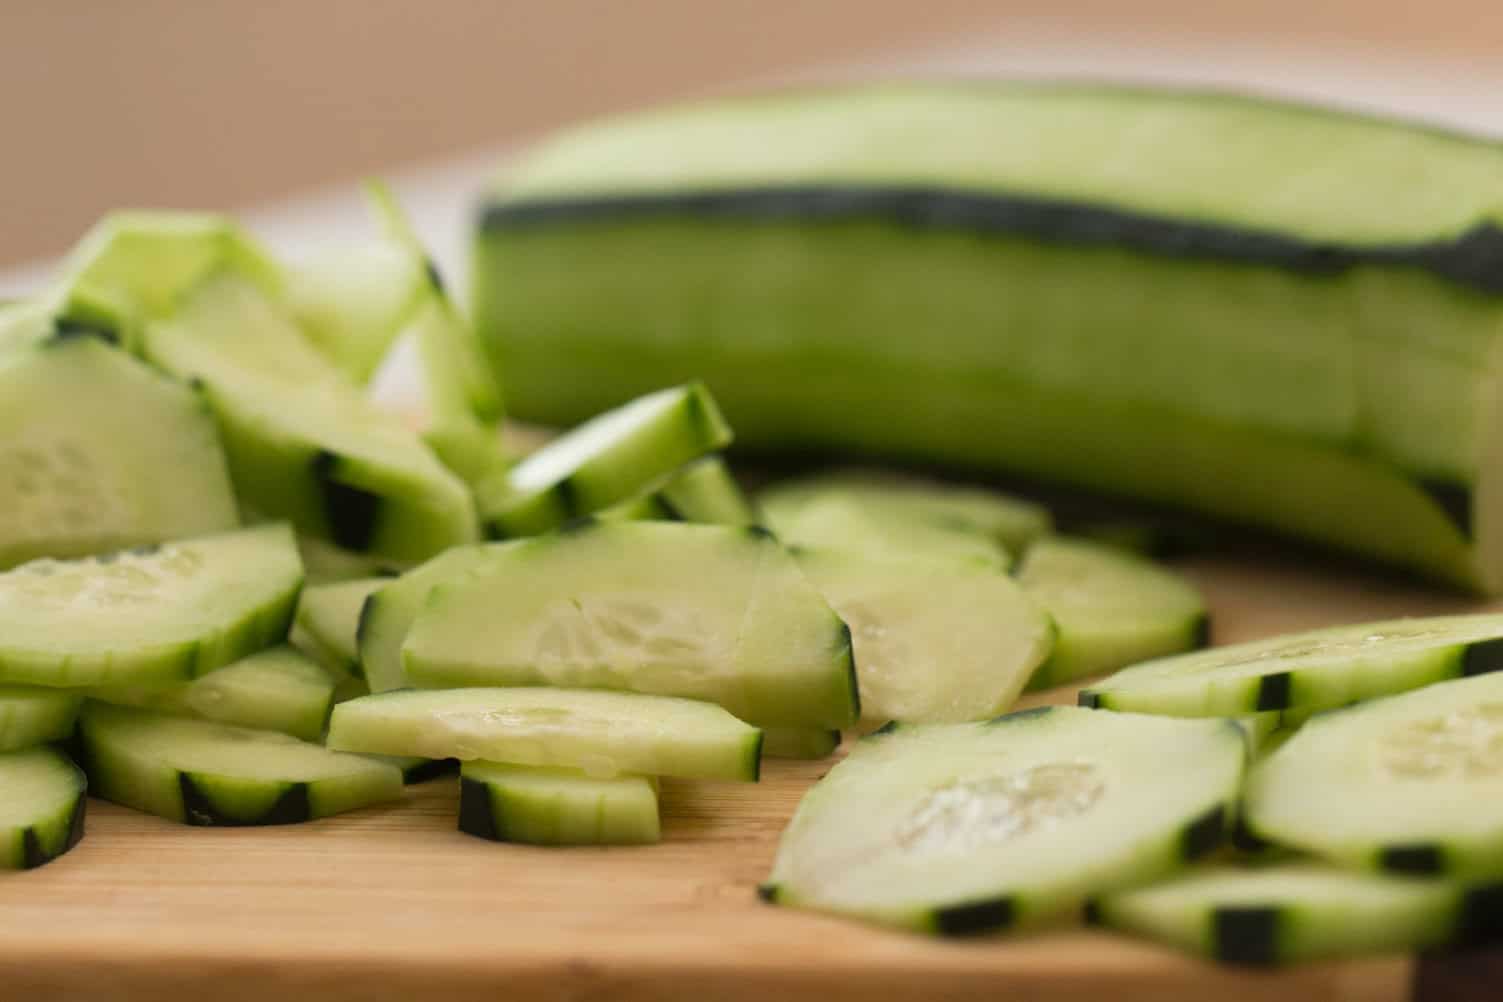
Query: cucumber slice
{"points": [[799, 742], [326, 563], [353, 302], [1308, 671], [389, 612], [603, 733], [41, 807], [510, 803], [303, 443], [609, 458], [32, 716], [27, 322], [275, 690], [328, 617], [934, 644], [1408, 784], [1292, 912], [967, 828], [1010, 521], [157, 614], [704, 492], [200, 772], [88, 431], [1260, 730], [704, 612], [837, 523], [416, 769], [1110, 609]]}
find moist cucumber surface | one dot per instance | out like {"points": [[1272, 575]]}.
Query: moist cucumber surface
{"points": [[717, 613], [158, 614], [1110, 609], [968, 828], [933, 644], [206, 773], [303, 443], [41, 807], [328, 619], [1313, 670], [88, 429], [602, 733], [31, 715], [610, 458], [1409, 784], [1286, 913], [277, 689], [509, 803], [791, 282]]}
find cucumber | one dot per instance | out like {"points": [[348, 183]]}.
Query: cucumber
{"points": [[88, 432], [326, 563], [704, 612], [1110, 609], [1064, 270], [416, 769], [26, 322], [1292, 912], [1407, 784], [1262, 730], [703, 491], [799, 742], [1012, 522], [30, 715], [837, 523], [1306, 671], [303, 443], [156, 614], [389, 612], [933, 644], [328, 617], [510, 803], [608, 459], [603, 733], [969, 828], [275, 690], [41, 807], [353, 302], [200, 772]]}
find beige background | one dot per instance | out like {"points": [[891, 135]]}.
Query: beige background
{"points": [[222, 104]]}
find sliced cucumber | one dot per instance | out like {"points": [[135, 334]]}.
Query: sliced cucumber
{"points": [[1110, 609], [1409, 784], [328, 617], [1261, 729], [157, 614], [390, 611], [28, 322], [1285, 913], [799, 742], [607, 459], [967, 828], [205, 773], [838, 523], [276, 690], [933, 643], [703, 491], [353, 302], [1010, 521], [88, 430], [326, 563], [303, 443], [704, 612], [41, 807], [510, 803], [603, 733], [1312, 670], [31, 715], [416, 769]]}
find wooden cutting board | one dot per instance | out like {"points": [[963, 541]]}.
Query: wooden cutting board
{"points": [[394, 904]]}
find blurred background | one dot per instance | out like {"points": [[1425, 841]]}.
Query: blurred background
{"points": [[219, 104]]}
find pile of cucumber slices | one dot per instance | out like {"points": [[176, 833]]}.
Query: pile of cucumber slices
{"points": [[235, 591]]}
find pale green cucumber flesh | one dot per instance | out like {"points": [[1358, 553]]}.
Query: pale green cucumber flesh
{"points": [[717, 613], [1110, 609], [328, 619], [933, 643], [1314, 670], [602, 733], [539, 806], [799, 742], [969, 828], [837, 523], [353, 302], [205, 773], [157, 614], [32, 715], [88, 430], [326, 563], [703, 491], [41, 807]]}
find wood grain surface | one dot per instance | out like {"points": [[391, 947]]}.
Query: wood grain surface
{"points": [[394, 904]]}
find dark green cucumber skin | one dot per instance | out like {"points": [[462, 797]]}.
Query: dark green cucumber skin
{"points": [[291, 808], [475, 817], [352, 514], [33, 855], [431, 769]]}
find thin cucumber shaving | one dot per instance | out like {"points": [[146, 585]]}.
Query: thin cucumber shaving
{"points": [[510, 803]]}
